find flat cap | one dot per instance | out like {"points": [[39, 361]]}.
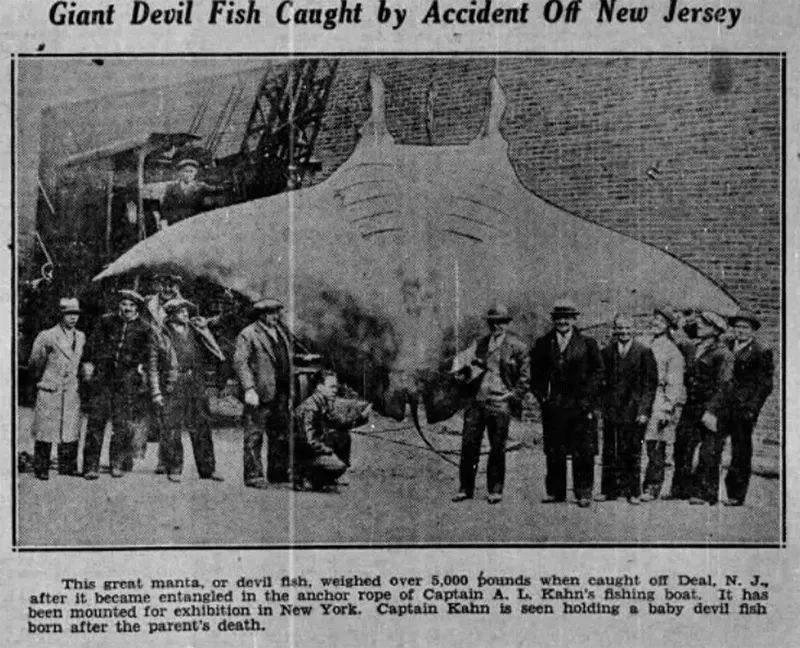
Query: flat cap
{"points": [[69, 306], [173, 305], [713, 319], [132, 295], [167, 277], [188, 162]]}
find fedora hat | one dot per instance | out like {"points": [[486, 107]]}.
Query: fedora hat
{"points": [[668, 314], [498, 313], [69, 306], [564, 308], [745, 315]]}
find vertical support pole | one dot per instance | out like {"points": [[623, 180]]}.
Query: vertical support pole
{"points": [[109, 202], [140, 192]]}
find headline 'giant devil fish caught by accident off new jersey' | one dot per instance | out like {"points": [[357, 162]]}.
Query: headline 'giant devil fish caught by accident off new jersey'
{"points": [[388, 265]]}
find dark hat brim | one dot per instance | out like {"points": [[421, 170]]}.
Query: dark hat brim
{"points": [[671, 319], [744, 318], [564, 313]]}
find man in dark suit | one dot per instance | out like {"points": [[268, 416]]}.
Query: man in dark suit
{"points": [[631, 378], [709, 372], [117, 359], [498, 375], [567, 373], [752, 383], [262, 362]]}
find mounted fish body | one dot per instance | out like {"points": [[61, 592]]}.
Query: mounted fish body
{"points": [[389, 265]]}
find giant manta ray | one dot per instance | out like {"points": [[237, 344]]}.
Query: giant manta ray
{"points": [[388, 266]]}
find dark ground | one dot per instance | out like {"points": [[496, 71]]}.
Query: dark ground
{"points": [[397, 494]]}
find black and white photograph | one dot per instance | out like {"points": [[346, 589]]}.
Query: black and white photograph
{"points": [[399, 301]]}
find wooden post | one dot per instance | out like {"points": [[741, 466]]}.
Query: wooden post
{"points": [[143, 151]]}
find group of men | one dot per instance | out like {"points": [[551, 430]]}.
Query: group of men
{"points": [[691, 393], [144, 369]]}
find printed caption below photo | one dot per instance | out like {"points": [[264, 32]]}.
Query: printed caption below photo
{"points": [[254, 603]]}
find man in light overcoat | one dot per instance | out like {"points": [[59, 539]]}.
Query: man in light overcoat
{"points": [[668, 403], [54, 362]]}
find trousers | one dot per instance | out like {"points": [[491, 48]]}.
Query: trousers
{"points": [[270, 420], [495, 419], [622, 455], [186, 407]]}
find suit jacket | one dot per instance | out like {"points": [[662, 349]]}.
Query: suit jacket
{"points": [[54, 362], [753, 369], [257, 362], [514, 362], [163, 361], [570, 380], [709, 379], [630, 383]]}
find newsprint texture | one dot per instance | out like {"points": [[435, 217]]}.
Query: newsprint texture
{"points": [[399, 323]]}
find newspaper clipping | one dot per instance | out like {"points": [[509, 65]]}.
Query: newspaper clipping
{"points": [[399, 323]]}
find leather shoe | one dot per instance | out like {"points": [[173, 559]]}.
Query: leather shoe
{"points": [[160, 470], [461, 496], [175, 478], [634, 500], [584, 502], [494, 498], [116, 472], [697, 501], [552, 499], [257, 483], [91, 475], [733, 502], [602, 497], [214, 477], [648, 497]]}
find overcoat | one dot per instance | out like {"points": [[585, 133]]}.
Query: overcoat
{"points": [[54, 362], [709, 379], [630, 383], [670, 393], [257, 363], [514, 366], [752, 380], [567, 386]]}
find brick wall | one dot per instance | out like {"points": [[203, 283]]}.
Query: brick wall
{"points": [[583, 133]]}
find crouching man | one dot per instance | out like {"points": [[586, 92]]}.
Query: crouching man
{"points": [[321, 439]]}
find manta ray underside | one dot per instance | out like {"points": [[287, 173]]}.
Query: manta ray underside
{"points": [[389, 265]]}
